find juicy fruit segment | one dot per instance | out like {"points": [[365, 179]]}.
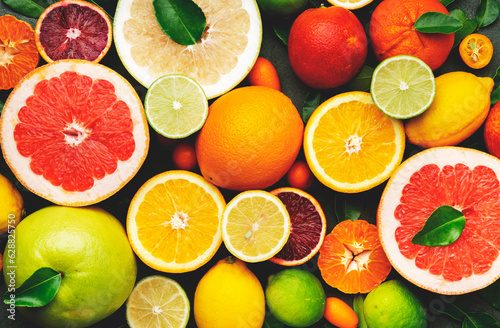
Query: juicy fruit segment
{"points": [[74, 132], [463, 178], [222, 58], [157, 301], [308, 227], [476, 50], [255, 226], [18, 53], [73, 29], [350, 145], [173, 221], [11, 205], [352, 259]]}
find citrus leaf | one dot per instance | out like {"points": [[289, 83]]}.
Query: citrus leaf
{"points": [[436, 22], [271, 322], [181, 20], [446, 2], [362, 81], [442, 228], [353, 208], [28, 8], [282, 31], [459, 14], [487, 12], [480, 320], [312, 101], [1, 106], [450, 310], [492, 294], [38, 290], [496, 78], [469, 26], [357, 306], [495, 96]]}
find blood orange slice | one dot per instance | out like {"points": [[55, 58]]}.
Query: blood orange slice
{"points": [[308, 227], [466, 179], [74, 132], [73, 29]]}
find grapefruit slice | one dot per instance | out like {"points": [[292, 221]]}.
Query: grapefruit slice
{"points": [[74, 132], [466, 179], [221, 59]]}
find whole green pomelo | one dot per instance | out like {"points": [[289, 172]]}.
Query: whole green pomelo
{"points": [[295, 297], [392, 304], [90, 248], [282, 7]]}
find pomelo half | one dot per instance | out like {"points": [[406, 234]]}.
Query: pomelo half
{"points": [[74, 132], [466, 179]]}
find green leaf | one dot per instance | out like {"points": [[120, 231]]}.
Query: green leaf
{"points": [[181, 20], [1, 106], [495, 96], [480, 320], [312, 101], [446, 2], [357, 306], [451, 310], [271, 322], [442, 228], [459, 14], [282, 30], [362, 81], [38, 290], [468, 27], [353, 208], [436, 22], [496, 78], [487, 12], [98, 5], [28, 8], [492, 294]]}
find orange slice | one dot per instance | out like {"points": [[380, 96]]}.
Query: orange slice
{"points": [[476, 50], [350, 145], [173, 221]]}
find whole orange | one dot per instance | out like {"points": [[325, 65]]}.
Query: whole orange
{"points": [[250, 139], [492, 130], [392, 32], [327, 47]]}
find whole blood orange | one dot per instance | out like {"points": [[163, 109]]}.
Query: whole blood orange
{"points": [[250, 139], [463, 178], [492, 130], [327, 47], [392, 32]]}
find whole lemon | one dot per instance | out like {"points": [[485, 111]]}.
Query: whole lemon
{"points": [[229, 295], [461, 105], [11, 205], [89, 247]]}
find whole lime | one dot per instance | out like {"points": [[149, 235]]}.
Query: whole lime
{"points": [[295, 297], [281, 7], [392, 304], [89, 247]]}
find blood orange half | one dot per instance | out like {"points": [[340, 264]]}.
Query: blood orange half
{"points": [[74, 132], [308, 227], [73, 29], [466, 179]]}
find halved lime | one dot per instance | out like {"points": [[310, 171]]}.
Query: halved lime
{"points": [[176, 106], [403, 86]]}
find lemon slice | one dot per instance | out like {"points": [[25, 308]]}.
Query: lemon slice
{"points": [[403, 86], [157, 301], [176, 106], [350, 4], [255, 226]]}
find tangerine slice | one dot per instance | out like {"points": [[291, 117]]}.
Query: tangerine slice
{"points": [[476, 50]]}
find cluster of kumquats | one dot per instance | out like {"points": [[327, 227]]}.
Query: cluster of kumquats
{"points": [[243, 162]]}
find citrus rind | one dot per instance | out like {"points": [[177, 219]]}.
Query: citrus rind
{"points": [[350, 4]]}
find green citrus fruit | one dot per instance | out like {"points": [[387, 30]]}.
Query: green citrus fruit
{"points": [[295, 297], [281, 7], [392, 304]]}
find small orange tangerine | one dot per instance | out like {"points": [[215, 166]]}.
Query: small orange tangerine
{"points": [[476, 50], [340, 314], [264, 74], [300, 176], [184, 156]]}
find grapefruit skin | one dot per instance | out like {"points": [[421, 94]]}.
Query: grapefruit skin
{"points": [[327, 47]]}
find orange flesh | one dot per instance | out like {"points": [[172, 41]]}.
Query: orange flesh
{"points": [[476, 50]]}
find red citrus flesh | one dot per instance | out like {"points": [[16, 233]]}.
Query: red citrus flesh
{"points": [[308, 227]]}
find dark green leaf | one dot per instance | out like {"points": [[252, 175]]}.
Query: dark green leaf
{"points": [[487, 12], [271, 322], [480, 320], [312, 101], [38, 290], [450, 310], [362, 81], [436, 22], [316, 3], [459, 14], [492, 294], [98, 5], [495, 96], [353, 208], [442, 228], [181, 20], [282, 30], [1, 106], [468, 28], [446, 2], [496, 78], [357, 306], [28, 8]]}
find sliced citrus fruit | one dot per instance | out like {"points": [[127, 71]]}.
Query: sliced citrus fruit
{"points": [[73, 29], [18, 52], [352, 258], [350, 4], [176, 106], [403, 86], [221, 59], [255, 226], [476, 50], [173, 221], [308, 227], [157, 301], [74, 132], [465, 179], [350, 145]]}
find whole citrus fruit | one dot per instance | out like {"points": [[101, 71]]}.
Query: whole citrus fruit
{"points": [[460, 106], [492, 131], [89, 247], [281, 7], [11, 205], [229, 295], [295, 297], [392, 32], [250, 139], [327, 47], [393, 304]]}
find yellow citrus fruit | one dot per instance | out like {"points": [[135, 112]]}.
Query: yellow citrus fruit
{"points": [[11, 205], [350, 145], [461, 105], [350, 4], [173, 221], [229, 295]]}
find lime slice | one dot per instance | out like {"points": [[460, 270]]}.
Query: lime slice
{"points": [[403, 86], [157, 301], [176, 106]]}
